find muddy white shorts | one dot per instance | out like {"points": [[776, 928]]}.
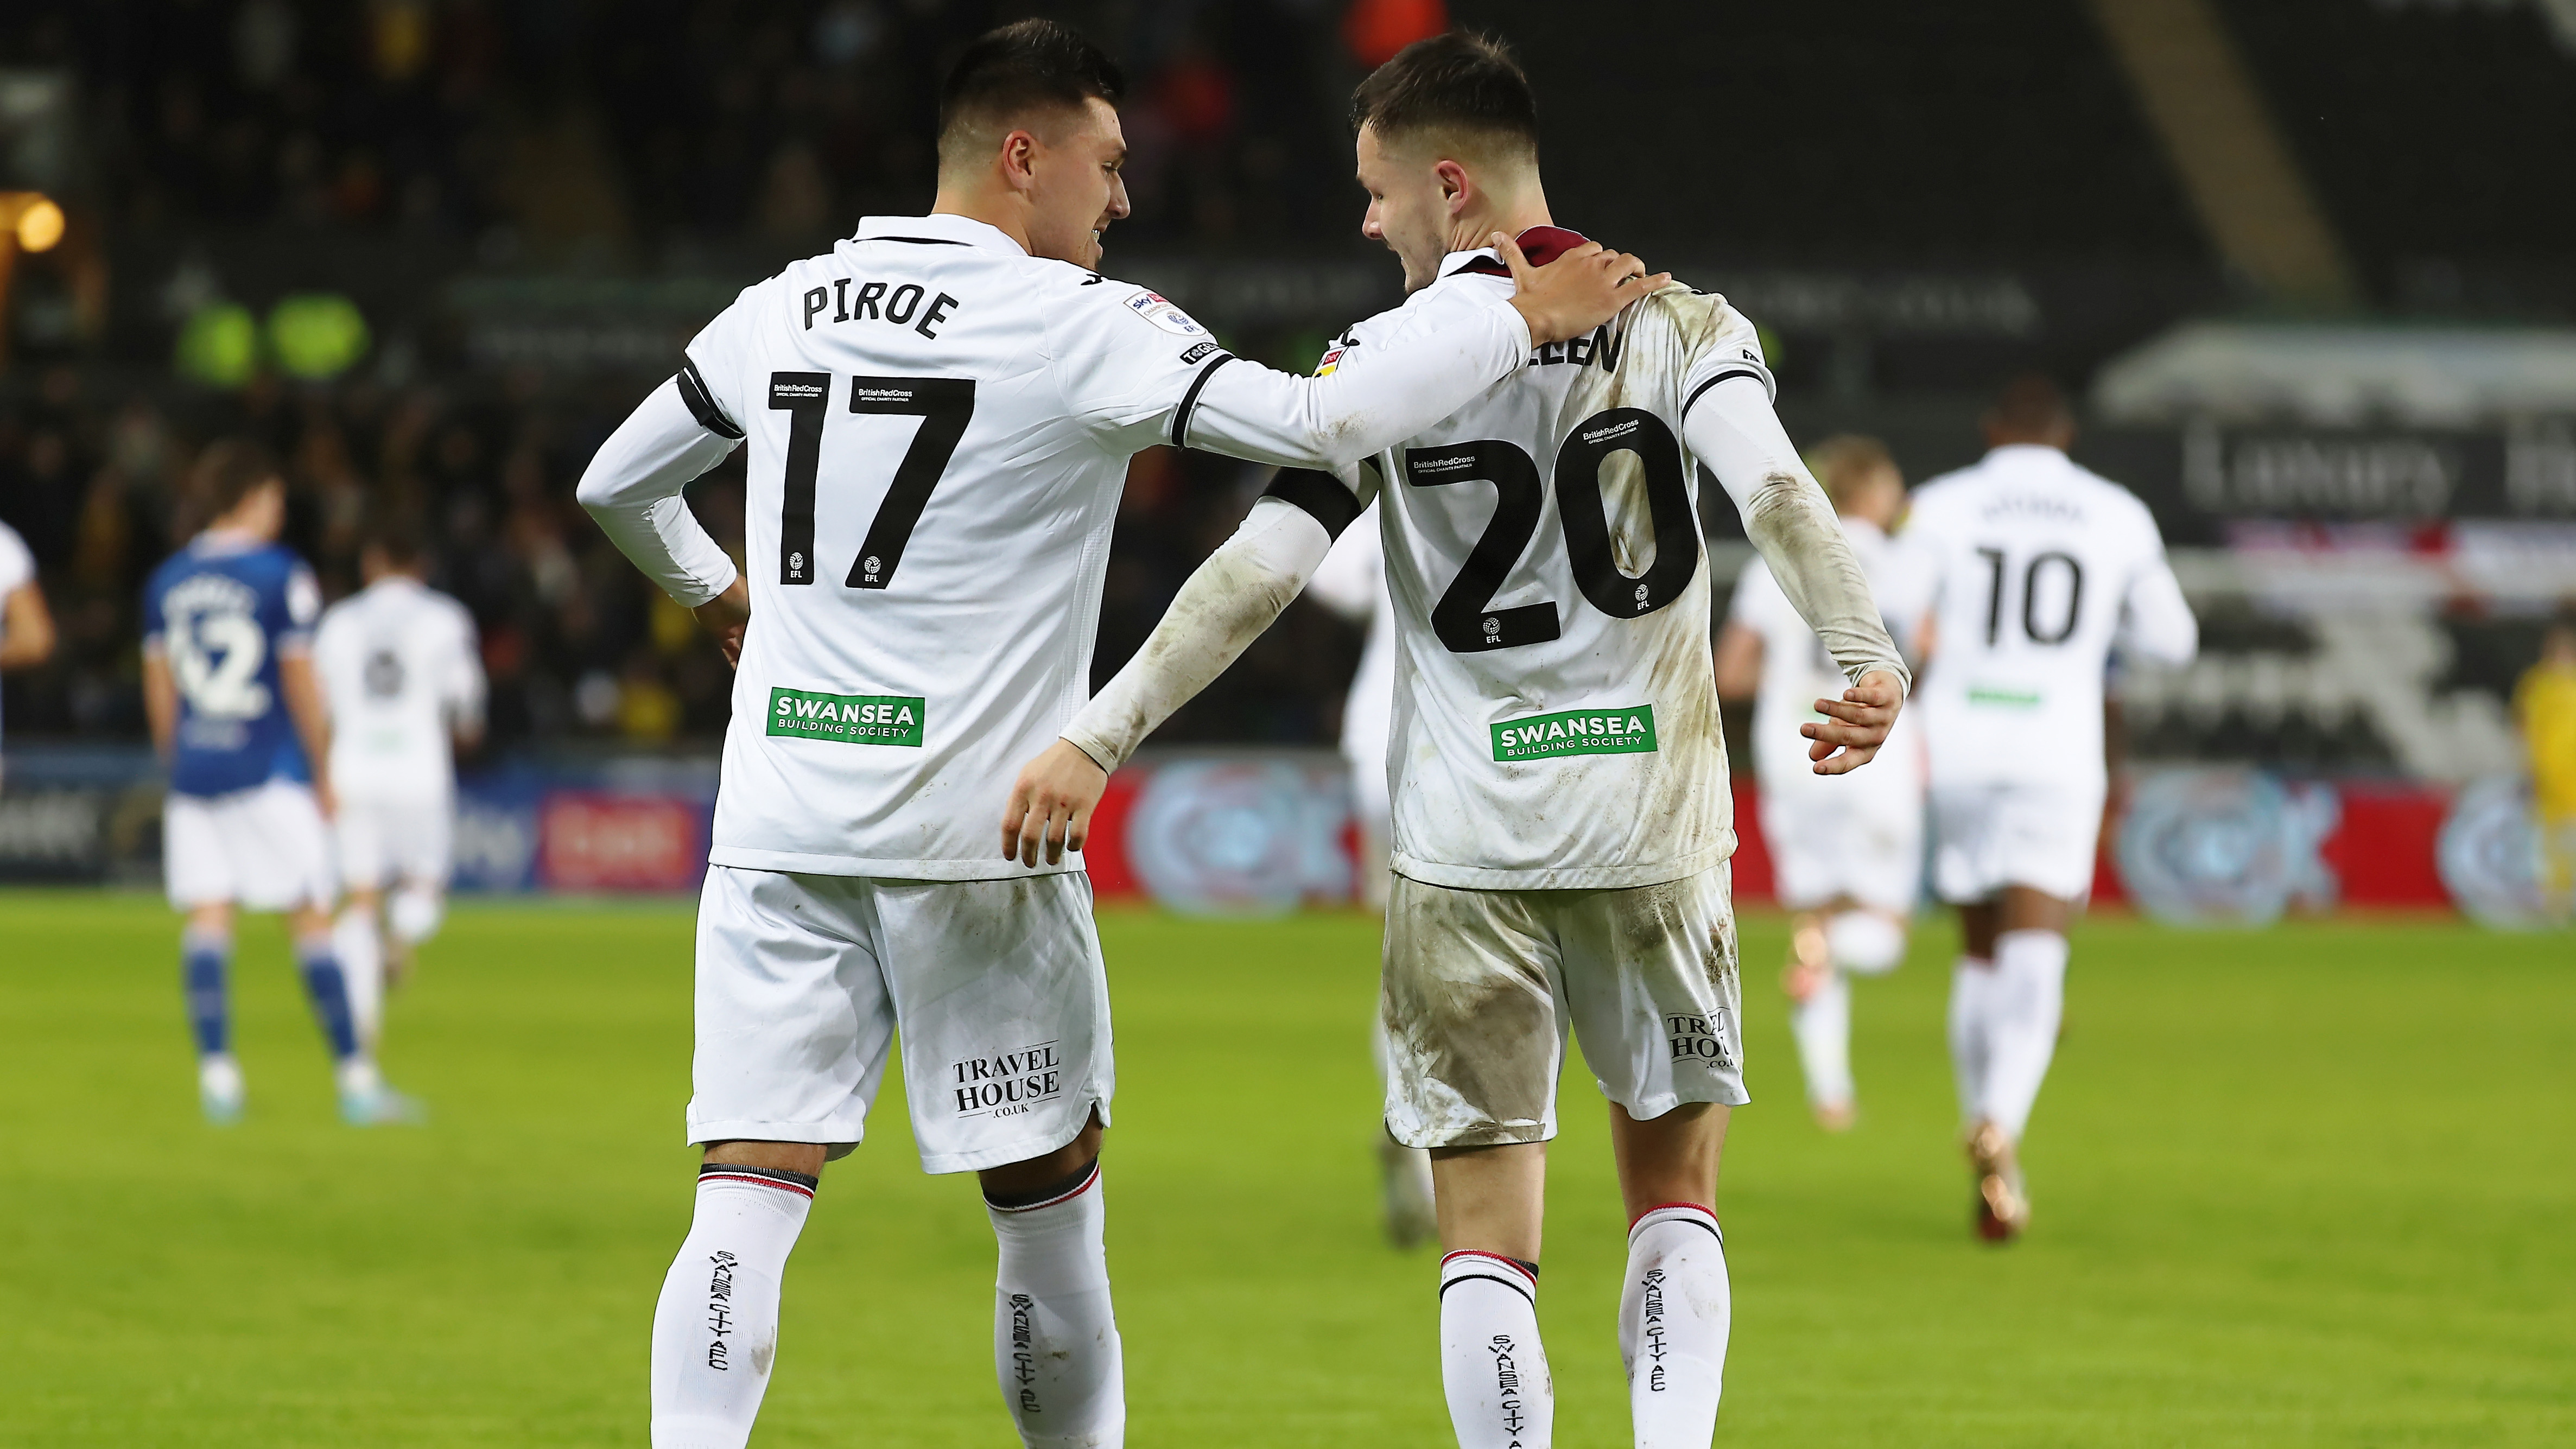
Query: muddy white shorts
{"points": [[1845, 835], [2041, 835], [996, 985], [263, 849], [383, 842], [1480, 988]]}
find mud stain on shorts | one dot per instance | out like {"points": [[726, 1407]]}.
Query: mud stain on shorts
{"points": [[1460, 1012]]}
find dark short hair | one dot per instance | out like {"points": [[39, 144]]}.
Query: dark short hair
{"points": [[1459, 84], [227, 472], [396, 532], [2030, 406], [1025, 66]]}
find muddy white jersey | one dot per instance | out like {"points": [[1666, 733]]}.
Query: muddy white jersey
{"points": [[2039, 568], [1555, 716], [1797, 671], [938, 427], [401, 670]]}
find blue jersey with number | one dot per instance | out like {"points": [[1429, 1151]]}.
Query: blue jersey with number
{"points": [[221, 610]]}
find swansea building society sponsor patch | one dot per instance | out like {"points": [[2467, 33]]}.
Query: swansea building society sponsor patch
{"points": [[857, 719], [1628, 731]]}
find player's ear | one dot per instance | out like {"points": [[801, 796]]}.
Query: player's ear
{"points": [[1454, 185]]}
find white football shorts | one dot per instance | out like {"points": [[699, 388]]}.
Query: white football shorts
{"points": [[383, 842], [1836, 836], [263, 849], [996, 985], [2040, 835], [1480, 988]]}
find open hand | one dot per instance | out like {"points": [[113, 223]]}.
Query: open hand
{"points": [[726, 616], [1855, 725], [1576, 292], [1051, 804]]}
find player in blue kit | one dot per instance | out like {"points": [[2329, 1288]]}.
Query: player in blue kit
{"points": [[238, 717]]}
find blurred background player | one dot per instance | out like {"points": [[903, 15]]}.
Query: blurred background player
{"points": [[1846, 850], [26, 625], [237, 715], [1352, 583], [2544, 703], [2038, 568], [401, 671]]}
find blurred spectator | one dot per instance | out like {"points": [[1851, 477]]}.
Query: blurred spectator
{"points": [[2545, 704]]}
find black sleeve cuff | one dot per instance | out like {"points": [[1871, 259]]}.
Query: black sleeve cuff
{"points": [[702, 403], [1320, 494]]}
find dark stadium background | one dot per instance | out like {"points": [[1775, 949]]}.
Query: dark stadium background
{"points": [[532, 204]]}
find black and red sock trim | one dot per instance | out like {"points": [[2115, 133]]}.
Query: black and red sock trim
{"points": [[777, 1177], [1065, 1190], [1698, 1215], [1517, 1274]]}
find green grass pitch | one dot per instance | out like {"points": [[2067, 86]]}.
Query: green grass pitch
{"points": [[2315, 1186]]}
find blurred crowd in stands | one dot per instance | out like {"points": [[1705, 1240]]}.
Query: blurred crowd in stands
{"points": [[573, 136]]}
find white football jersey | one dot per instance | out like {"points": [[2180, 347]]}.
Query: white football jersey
{"points": [[2038, 568], [1797, 671], [401, 670], [1555, 716], [17, 564], [939, 428]]}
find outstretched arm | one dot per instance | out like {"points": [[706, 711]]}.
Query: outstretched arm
{"points": [[1226, 605], [1386, 392], [1732, 429]]}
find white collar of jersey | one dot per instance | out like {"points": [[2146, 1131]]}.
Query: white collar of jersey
{"points": [[1450, 264], [226, 541], [2007, 452], [962, 231]]}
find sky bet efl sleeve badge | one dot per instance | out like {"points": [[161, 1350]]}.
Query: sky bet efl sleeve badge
{"points": [[1152, 307]]}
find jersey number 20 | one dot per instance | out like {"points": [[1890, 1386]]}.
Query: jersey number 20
{"points": [[944, 405], [1462, 619]]}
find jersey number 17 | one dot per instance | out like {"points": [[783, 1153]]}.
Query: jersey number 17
{"points": [[944, 405]]}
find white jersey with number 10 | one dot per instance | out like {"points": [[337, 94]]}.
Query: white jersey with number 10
{"points": [[2041, 567]]}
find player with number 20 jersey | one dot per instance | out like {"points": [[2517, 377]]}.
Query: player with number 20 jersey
{"points": [[939, 413]]}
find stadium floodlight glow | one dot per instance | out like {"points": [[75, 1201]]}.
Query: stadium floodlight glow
{"points": [[32, 219]]}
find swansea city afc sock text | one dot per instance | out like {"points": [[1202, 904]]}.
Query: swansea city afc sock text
{"points": [[1674, 1316], [1971, 984], [2022, 1017], [1055, 1335], [715, 1331], [1491, 1361]]}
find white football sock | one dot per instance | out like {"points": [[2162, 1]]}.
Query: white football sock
{"points": [[715, 1332], [1055, 1337], [2028, 999], [414, 912], [362, 969], [1971, 983], [1491, 1361], [1673, 1320], [1822, 1026], [1864, 942]]}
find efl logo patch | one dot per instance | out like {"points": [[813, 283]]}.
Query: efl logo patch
{"points": [[855, 719], [1152, 307], [1577, 732]]}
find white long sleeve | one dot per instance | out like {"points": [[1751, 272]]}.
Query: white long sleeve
{"points": [[1377, 396], [2156, 622], [633, 486], [1227, 603], [1732, 429]]}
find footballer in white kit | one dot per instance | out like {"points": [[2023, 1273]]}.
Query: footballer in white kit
{"points": [[2040, 569], [403, 675], [1561, 817], [26, 625], [1846, 850], [939, 414]]}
